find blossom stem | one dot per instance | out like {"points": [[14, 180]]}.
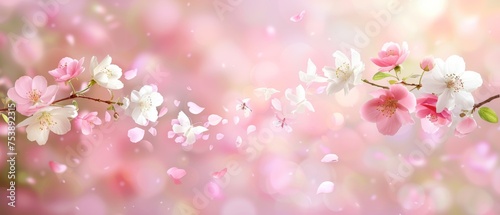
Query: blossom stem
{"points": [[478, 105], [74, 96], [373, 84], [419, 85], [72, 87]]}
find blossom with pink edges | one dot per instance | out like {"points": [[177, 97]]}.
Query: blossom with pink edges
{"points": [[68, 69], [431, 121], [391, 56], [87, 121], [32, 94], [390, 109]]}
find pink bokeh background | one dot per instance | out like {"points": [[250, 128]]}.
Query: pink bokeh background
{"points": [[197, 53]]}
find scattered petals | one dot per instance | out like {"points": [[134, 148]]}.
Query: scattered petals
{"points": [[325, 187], [129, 75], [251, 128], [214, 119], [152, 131], [219, 174], [163, 111], [194, 108], [176, 174], [135, 134], [330, 158], [57, 167], [298, 17], [219, 136]]}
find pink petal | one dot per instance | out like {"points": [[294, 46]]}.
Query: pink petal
{"points": [[170, 134], [57, 167], [163, 111], [194, 108], [219, 174], [214, 191], [219, 136], [135, 134], [214, 119], [205, 136], [188, 88], [330, 158], [179, 139], [369, 110], [239, 141], [176, 174], [298, 17], [224, 121], [130, 74], [389, 126], [276, 104], [236, 120], [325, 187], [466, 126], [176, 103], [152, 131], [251, 128]]}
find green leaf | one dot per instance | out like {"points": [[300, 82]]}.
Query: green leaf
{"points": [[391, 82], [488, 115], [381, 75], [5, 118], [75, 104]]}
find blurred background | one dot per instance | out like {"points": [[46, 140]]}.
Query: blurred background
{"points": [[214, 53]]}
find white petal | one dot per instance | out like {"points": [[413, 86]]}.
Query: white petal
{"points": [[455, 64], [471, 80], [291, 97], [183, 119], [325, 187], [156, 98], [301, 92], [135, 134], [308, 105], [329, 72], [311, 68], [464, 100], [330, 158], [190, 139], [199, 129], [61, 125], [333, 87], [114, 84], [214, 119], [445, 100], [340, 59], [178, 129], [431, 84]]}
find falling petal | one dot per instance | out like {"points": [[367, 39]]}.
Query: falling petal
{"points": [[213, 190], [176, 174], [57, 167], [179, 139], [177, 102], [107, 116], [251, 128], [219, 174], [210, 147], [130, 74], [320, 90], [298, 17], [194, 108], [135, 134], [170, 134], [70, 39], [330, 158], [219, 136], [236, 120], [214, 119], [325, 187], [239, 141], [163, 111], [188, 88], [224, 121], [205, 136], [276, 104], [152, 131], [225, 109]]}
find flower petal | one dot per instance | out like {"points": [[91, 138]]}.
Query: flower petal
{"points": [[471, 80]]}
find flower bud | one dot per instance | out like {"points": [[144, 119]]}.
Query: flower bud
{"points": [[427, 64]]}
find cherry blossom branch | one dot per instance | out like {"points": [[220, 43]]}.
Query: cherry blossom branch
{"points": [[75, 96], [416, 86], [373, 84], [478, 105]]}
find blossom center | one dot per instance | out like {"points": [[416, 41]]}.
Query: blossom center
{"points": [[343, 72], [454, 82], [34, 95], [46, 120], [388, 107], [146, 104]]}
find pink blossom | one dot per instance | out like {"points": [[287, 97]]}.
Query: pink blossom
{"points": [[68, 69], [390, 109], [466, 126], [87, 121], [427, 64], [430, 119], [391, 56], [32, 94]]}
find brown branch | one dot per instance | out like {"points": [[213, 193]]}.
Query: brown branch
{"points": [[76, 96], [478, 105], [373, 84]]}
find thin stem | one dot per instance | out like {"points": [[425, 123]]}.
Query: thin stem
{"points": [[373, 84], [419, 82], [478, 105], [72, 87]]}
